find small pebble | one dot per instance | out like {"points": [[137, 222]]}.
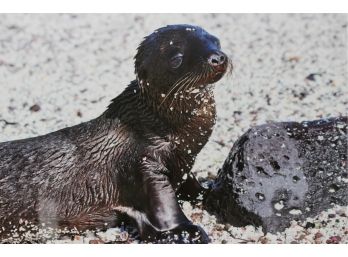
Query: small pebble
{"points": [[334, 240], [35, 108], [96, 241]]}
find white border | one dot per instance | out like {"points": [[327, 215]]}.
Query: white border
{"points": [[212, 250], [173, 6]]}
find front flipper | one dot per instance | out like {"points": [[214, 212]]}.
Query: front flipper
{"points": [[187, 233], [163, 221]]}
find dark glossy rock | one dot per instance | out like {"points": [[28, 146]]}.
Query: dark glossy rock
{"points": [[279, 172]]}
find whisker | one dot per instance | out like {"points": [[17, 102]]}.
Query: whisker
{"points": [[189, 86], [176, 84], [187, 82], [229, 67], [190, 82], [193, 82], [206, 72]]}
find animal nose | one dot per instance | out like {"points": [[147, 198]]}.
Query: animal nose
{"points": [[216, 59]]}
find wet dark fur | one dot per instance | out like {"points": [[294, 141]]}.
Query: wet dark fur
{"points": [[129, 160]]}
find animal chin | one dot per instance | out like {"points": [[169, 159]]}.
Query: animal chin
{"points": [[215, 76]]}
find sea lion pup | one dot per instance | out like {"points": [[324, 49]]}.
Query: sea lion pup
{"points": [[134, 157]]}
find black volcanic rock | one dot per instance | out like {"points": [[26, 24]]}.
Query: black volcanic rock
{"points": [[279, 172]]}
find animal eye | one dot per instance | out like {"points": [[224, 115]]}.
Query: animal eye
{"points": [[176, 60]]}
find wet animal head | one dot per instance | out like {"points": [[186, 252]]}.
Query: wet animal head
{"points": [[180, 58]]}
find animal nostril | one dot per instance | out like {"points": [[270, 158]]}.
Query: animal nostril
{"points": [[216, 59]]}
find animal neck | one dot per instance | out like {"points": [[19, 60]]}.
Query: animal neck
{"points": [[178, 107], [143, 105]]}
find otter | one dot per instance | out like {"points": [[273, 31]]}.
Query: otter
{"points": [[135, 158]]}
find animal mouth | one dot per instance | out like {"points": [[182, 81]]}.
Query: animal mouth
{"points": [[216, 73], [217, 76]]}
